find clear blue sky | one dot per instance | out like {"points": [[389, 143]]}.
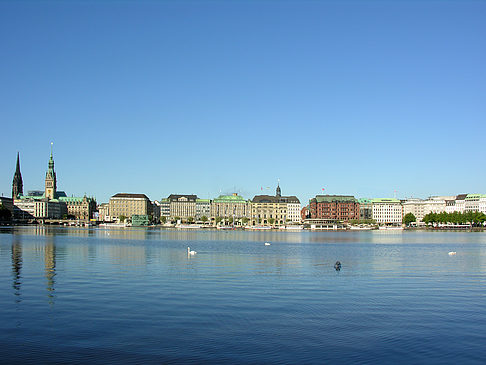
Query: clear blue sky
{"points": [[357, 97]]}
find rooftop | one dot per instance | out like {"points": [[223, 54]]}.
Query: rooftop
{"points": [[335, 198], [130, 195], [385, 200]]}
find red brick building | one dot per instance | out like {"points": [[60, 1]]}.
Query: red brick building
{"points": [[334, 207]]}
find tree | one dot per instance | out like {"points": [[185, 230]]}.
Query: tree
{"points": [[271, 221], [5, 214], [204, 218], [230, 220], [218, 219], [409, 218], [244, 220], [122, 218], [190, 219], [163, 219]]}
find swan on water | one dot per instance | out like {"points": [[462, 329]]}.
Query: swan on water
{"points": [[190, 253], [267, 243], [452, 253]]}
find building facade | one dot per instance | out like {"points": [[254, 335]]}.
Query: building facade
{"points": [[182, 206], [272, 210], [203, 208], [127, 205], [104, 212], [334, 207], [226, 206], [365, 209], [81, 208], [387, 211]]}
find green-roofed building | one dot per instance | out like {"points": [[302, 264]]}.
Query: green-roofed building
{"points": [[387, 211], [340, 208], [365, 209], [82, 208], [227, 206]]}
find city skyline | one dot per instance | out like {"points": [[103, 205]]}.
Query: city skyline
{"points": [[262, 192], [208, 97]]}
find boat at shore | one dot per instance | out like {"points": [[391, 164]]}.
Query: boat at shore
{"points": [[115, 225], [358, 228], [258, 228], [390, 228], [188, 226]]}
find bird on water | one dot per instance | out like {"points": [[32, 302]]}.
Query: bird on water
{"points": [[337, 265], [190, 253]]}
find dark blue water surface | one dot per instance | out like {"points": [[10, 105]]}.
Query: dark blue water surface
{"points": [[134, 296]]}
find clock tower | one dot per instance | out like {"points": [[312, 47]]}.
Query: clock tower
{"points": [[51, 181]]}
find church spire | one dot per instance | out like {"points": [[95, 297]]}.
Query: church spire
{"points": [[17, 184], [278, 192]]}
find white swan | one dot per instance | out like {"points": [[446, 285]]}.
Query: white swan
{"points": [[267, 243], [190, 253], [452, 253]]}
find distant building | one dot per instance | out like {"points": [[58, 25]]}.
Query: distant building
{"points": [[203, 208], [128, 205], [340, 208], [182, 206], [266, 209], [79, 208], [305, 213], [482, 204], [226, 206], [156, 210], [104, 212], [460, 205], [30, 208], [387, 211], [164, 207], [471, 202], [365, 209], [415, 207]]}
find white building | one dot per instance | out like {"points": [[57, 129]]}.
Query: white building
{"points": [[460, 203], [387, 211], [28, 208], [293, 212], [482, 204], [416, 207], [471, 202]]}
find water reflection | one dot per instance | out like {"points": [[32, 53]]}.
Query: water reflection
{"points": [[17, 266], [50, 267]]}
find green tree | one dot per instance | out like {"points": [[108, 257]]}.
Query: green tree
{"points": [[204, 218], [218, 220], [244, 220], [163, 219], [122, 218], [190, 219], [271, 220], [230, 220], [409, 218]]}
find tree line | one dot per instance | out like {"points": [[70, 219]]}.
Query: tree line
{"points": [[472, 218]]}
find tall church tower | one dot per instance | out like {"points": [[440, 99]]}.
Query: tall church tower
{"points": [[51, 181], [17, 184], [278, 193]]}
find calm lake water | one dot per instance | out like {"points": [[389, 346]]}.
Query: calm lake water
{"points": [[134, 296]]}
